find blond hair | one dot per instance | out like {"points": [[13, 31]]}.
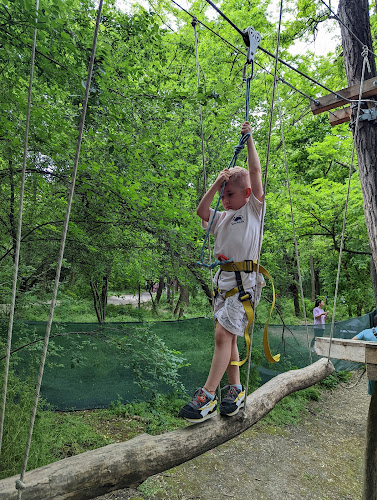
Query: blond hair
{"points": [[239, 176]]}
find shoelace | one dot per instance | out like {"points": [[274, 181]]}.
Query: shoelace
{"points": [[232, 391]]}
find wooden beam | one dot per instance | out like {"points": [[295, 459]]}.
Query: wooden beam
{"points": [[371, 362], [352, 350], [331, 101], [128, 464], [339, 116]]}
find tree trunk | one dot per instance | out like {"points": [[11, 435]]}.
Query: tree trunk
{"points": [[128, 464], [312, 276], [161, 284], [373, 276], [370, 457], [354, 15], [100, 298]]}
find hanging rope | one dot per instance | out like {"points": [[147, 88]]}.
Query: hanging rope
{"points": [[193, 24], [18, 238], [365, 63], [264, 205], [293, 225], [20, 482]]}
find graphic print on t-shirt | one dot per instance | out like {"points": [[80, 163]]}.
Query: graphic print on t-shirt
{"points": [[237, 219]]}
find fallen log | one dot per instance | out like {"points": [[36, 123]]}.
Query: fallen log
{"points": [[124, 465]]}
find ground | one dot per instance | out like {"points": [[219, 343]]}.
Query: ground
{"points": [[319, 459]]}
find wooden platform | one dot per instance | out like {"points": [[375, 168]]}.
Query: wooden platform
{"points": [[359, 351]]}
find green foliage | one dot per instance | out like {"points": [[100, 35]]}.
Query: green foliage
{"points": [[333, 380], [55, 436], [140, 175], [150, 370], [159, 414]]}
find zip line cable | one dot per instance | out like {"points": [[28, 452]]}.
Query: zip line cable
{"points": [[20, 486], [281, 60], [244, 53], [19, 229]]}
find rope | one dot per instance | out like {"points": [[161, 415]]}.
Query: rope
{"points": [[193, 24], [18, 238], [264, 190], [293, 226], [365, 63], [20, 483]]}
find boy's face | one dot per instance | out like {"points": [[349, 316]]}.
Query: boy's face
{"points": [[234, 197]]}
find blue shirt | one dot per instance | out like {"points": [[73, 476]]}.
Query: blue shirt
{"points": [[368, 335]]}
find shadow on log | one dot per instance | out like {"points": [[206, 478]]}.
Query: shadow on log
{"points": [[124, 465]]}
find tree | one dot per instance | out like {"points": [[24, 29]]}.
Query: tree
{"points": [[354, 16]]}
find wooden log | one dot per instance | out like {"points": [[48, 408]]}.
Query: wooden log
{"points": [[331, 101], [128, 464], [352, 350]]}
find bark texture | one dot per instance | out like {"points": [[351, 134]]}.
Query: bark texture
{"points": [[354, 15], [128, 464], [370, 459]]}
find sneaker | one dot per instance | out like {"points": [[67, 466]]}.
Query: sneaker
{"points": [[233, 401], [200, 408]]}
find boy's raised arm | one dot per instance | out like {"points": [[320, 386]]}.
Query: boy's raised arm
{"points": [[205, 203], [253, 164]]}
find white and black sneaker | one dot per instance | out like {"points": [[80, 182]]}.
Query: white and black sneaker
{"points": [[200, 408], [233, 401]]}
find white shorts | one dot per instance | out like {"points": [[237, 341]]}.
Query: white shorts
{"points": [[230, 312]]}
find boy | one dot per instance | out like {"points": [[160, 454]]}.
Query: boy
{"points": [[236, 232]]}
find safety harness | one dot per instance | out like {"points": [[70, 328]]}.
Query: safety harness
{"points": [[249, 266]]}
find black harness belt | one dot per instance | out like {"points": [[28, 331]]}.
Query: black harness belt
{"points": [[249, 266]]}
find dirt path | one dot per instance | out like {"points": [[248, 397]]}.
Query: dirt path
{"points": [[122, 300], [319, 459]]}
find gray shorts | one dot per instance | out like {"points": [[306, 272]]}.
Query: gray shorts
{"points": [[230, 313]]}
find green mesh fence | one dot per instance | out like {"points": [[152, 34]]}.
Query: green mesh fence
{"points": [[87, 370]]}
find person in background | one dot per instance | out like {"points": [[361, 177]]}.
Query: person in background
{"points": [[319, 316]]}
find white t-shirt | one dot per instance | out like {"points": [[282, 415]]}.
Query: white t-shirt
{"points": [[237, 236]]}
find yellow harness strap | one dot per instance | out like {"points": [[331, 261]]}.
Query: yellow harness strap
{"points": [[250, 266]]}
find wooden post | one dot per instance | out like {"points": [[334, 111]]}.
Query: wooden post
{"points": [[362, 352], [370, 457]]}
